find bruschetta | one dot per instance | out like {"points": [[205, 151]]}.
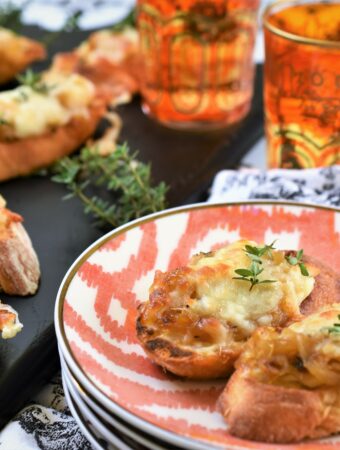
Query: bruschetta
{"points": [[199, 317], [9, 322], [19, 265], [110, 59], [43, 121], [287, 384], [16, 53]]}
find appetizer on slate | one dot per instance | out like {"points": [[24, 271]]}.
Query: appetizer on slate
{"points": [[287, 384], [9, 322], [199, 317], [110, 59], [16, 53], [19, 265], [45, 118]]}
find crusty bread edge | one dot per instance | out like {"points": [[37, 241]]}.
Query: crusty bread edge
{"points": [[276, 414], [19, 264], [186, 362]]}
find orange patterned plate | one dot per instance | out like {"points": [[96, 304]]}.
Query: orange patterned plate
{"points": [[96, 312]]}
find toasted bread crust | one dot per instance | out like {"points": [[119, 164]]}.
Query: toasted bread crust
{"points": [[19, 265], [286, 385], [326, 290], [14, 58], [157, 316], [22, 156], [182, 361], [269, 413]]}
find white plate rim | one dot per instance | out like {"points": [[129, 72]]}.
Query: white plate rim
{"points": [[85, 431], [107, 435], [94, 416], [85, 381]]}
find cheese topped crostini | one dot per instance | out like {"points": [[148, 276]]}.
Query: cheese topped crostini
{"points": [[199, 317], [48, 117], [287, 384]]}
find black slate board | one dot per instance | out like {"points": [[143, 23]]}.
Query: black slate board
{"points": [[60, 231]]}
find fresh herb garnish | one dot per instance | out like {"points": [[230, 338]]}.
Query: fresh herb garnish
{"points": [[114, 189], [256, 253], [251, 275], [34, 81], [335, 328], [297, 260]]}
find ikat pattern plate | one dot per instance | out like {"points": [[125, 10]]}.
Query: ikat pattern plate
{"points": [[97, 307]]}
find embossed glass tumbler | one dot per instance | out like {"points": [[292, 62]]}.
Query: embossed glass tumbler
{"points": [[302, 83], [197, 60]]}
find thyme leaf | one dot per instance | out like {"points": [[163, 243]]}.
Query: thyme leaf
{"points": [[256, 253], [297, 260]]}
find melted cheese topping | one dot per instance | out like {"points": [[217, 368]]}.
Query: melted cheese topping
{"points": [[231, 300], [32, 113]]}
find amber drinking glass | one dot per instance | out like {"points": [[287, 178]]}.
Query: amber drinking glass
{"points": [[197, 60], [302, 83]]}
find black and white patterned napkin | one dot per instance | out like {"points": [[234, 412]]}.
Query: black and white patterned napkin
{"points": [[46, 423], [320, 186]]}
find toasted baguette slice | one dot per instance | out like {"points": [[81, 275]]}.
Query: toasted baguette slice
{"points": [[48, 125], [9, 322], [287, 384], [199, 317], [16, 53], [19, 265], [110, 59]]}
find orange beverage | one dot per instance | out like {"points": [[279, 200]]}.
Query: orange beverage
{"points": [[197, 55], [302, 83]]}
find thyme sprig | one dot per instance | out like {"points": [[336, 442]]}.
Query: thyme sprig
{"points": [[114, 189], [251, 275], [34, 81], [256, 253], [297, 260]]}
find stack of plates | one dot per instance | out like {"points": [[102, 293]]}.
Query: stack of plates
{"points": [[120, 399]]}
